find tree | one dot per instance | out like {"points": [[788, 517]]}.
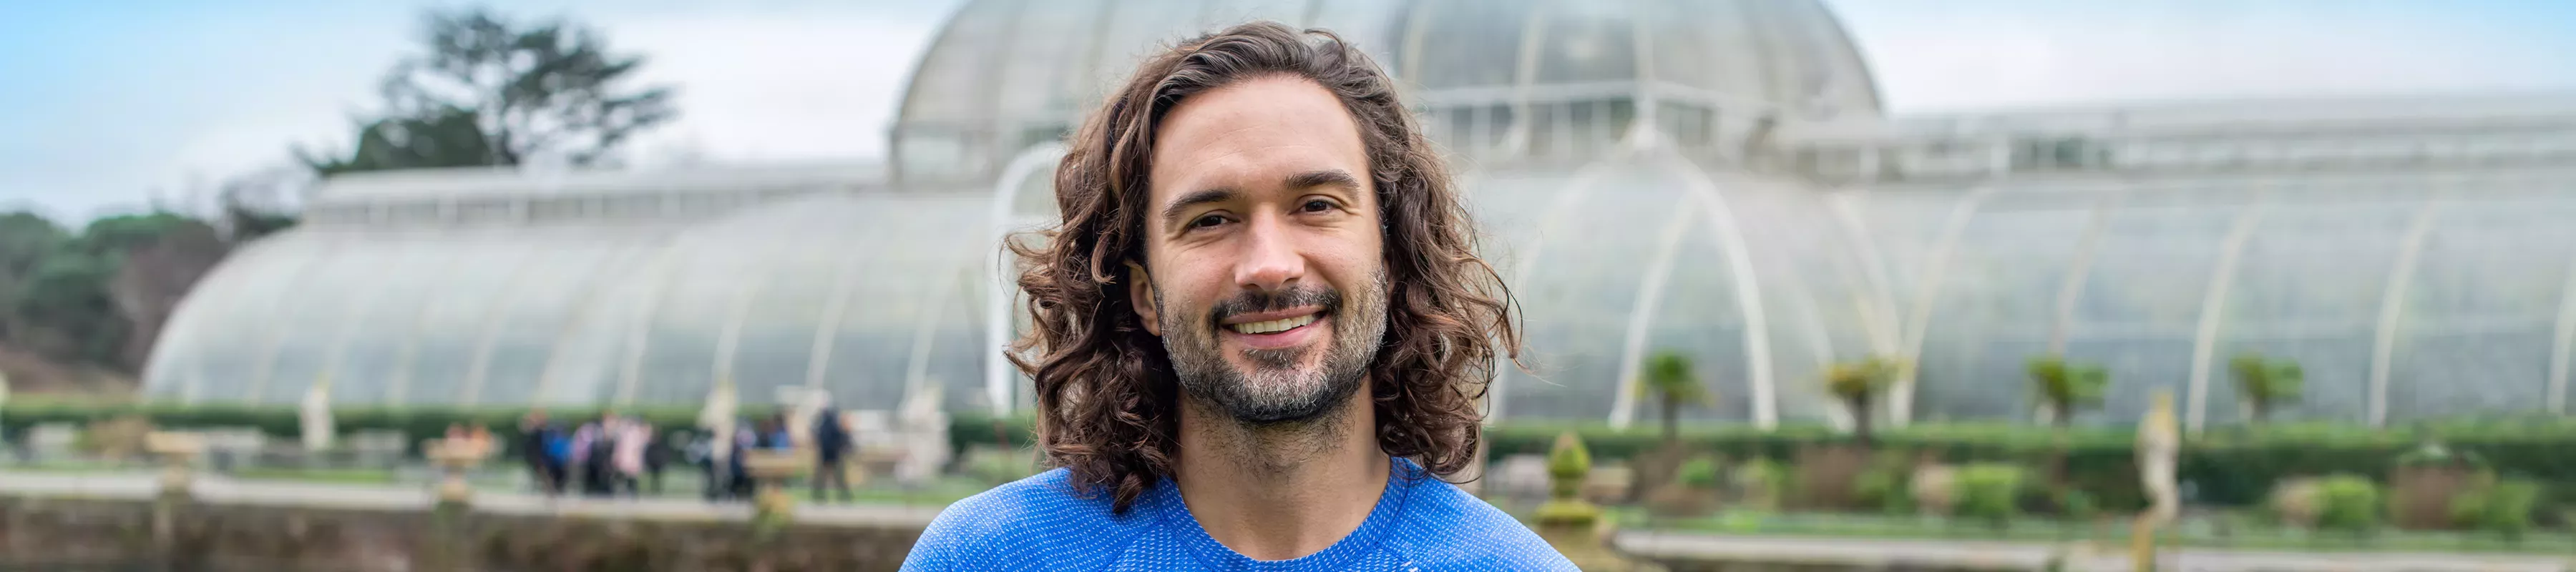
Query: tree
{"points": [[1857, 385], [448, 139], [2266, 383], [265, 202], [494, 92], [154, 276], [58, 299], [26, 240], [1669, 378], [2065, 388]]}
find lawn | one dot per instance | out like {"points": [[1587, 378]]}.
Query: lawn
{"points": [[2236, 532]]}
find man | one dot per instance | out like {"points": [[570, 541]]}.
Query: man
{"points": [[538, 445], [831, 443], [1259, 334]]}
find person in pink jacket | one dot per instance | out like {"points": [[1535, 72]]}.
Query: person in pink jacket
{"points": [[633, 436]]}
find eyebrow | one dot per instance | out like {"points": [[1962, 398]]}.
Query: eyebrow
{"points": [[1324, 178], [1336, 178], [1216, 195]]}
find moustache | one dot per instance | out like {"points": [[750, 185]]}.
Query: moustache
{"points": [[1254, 301]]}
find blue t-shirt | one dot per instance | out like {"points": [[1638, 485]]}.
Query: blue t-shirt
{"points": [[1039, 523]]}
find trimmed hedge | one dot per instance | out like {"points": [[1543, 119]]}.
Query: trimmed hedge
{"points": [[2233, 466]]}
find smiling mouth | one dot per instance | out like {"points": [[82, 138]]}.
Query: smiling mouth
{"points": [[1274, 326]]}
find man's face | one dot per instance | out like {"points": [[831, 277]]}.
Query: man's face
{"points": [[1263, 250]]}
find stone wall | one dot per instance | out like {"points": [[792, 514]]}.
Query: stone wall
{"points": [[202, 536]]}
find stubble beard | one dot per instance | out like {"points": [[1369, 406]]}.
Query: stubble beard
{"points": [[1277, 391]]}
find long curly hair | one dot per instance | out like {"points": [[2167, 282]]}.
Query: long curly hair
{"points": [[1107, 399]]}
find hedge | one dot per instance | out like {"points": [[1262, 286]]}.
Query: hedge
{"points": [[2232, 466]]}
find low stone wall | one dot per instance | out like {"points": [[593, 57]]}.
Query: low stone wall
{"points": [[204, 536]]}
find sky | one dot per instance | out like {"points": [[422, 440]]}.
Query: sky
{"points": [[112, 105]]}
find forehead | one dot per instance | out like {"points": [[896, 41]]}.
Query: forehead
{"points": [[1253, 134]]}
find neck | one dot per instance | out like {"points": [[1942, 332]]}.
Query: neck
{"points": [[1281, 490]]}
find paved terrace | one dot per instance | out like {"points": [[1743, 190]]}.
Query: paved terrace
{"points": [[1862, 554]]}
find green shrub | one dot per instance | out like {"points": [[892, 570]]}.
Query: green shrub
{"points": [[2076, 504], [2504, 507], [2226, 466], [1990, 492], [1762, 480], [1890, 491], [1568, 465], [1698, 473], [2352, 503], [2434, 454]]}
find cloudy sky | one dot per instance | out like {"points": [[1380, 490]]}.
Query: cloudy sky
{"points": [[105, 105]]}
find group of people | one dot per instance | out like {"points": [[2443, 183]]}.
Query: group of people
{"points": [[610, 456], [621, 456]]}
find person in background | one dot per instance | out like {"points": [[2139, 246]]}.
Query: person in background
{"points": [[590, 452], [699, 450], [738, 478], [537, 448], [831, 443], [658, 455], [627, 457]]}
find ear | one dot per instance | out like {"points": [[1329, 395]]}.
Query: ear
{"points": [[1140, 295]]}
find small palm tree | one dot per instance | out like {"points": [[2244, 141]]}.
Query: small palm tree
{"points": [[2066, 387], [2266, 383], [1857, 385], [1669, 379]]}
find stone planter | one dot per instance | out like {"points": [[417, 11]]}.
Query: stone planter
{"points": [[454, 457], [2420, 496], [771, 469], [1825, 475], [178, 453]]}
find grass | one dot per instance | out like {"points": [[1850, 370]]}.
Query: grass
{"points": [[2223, 533]]}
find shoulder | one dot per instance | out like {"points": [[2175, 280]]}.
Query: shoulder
{"points": [[1037, 522], [1445, 528]]}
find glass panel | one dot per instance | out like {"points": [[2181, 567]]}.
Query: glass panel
{"points": [[1587, 41], [1470, 43]]}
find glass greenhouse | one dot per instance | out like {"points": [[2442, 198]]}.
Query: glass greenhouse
{"points": [[1709, 177]]}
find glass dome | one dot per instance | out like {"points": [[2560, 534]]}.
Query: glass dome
{"points": [[1008, 74], [1648, 179]]}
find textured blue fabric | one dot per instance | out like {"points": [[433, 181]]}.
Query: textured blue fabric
{"points": [[1039, 523]]}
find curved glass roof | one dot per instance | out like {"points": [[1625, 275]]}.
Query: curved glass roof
{"points": [[2456, 274], [1007, 74], [2420, 272]]}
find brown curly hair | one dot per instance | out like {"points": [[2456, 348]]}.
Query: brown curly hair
{"points": [[1107, 399]]}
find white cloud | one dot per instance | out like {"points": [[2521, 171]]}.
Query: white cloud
{"points": [[768, 88]]}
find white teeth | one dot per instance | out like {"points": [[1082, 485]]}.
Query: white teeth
{"points": [[1274, 326]]}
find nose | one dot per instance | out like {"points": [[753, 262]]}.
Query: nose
{"points": [[1270, 259]]}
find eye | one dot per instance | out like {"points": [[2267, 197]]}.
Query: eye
{"points": [[1317, 205], [1205, 221]]}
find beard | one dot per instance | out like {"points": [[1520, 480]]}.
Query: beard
{"points": [[1279, 386]]}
